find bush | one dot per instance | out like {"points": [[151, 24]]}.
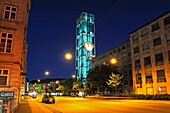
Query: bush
{"points": [[148, 97], [140, 96]]}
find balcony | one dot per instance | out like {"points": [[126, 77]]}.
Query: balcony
{"points": [[161, 79]]}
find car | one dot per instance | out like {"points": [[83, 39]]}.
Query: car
{"points": [[48, 99]]}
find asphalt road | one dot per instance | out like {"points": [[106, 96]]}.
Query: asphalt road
{"points": [[91, 105]]}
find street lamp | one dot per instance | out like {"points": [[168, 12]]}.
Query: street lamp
{"points": [[68, 56], [47, 73], [38, 80], [113, 61], [73, 76], [57, 82]]}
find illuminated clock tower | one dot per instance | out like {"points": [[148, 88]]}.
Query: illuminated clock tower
{"points": [[85, 44]]}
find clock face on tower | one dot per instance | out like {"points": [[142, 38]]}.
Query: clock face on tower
{"points": [[88, 46]]}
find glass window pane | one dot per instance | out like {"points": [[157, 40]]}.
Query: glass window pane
{"points": [[7, 8], [12, 16], [3, 80], [14, 9], [6, 15], [9, 35], [5, 72], [2, 45], [0, 71], [4, 35]]}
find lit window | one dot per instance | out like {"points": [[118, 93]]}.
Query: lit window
{"points": [[149, 77], [138, 78], [168, 37], [155, 27], [167, 21], [161, 76], [144, 32], [3, 76], [146, 46], [157, 41], [6, 42], [10, 13]]}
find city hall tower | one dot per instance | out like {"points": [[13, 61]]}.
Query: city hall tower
{"points": [[85, 44]]}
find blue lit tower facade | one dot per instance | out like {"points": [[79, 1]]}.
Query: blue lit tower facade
{"points": [[85, 44]]}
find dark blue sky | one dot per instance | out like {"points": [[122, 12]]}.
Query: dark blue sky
{"points": [[51, 29]]}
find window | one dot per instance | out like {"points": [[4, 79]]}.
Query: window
{"points": [[110, 53], [159, 58], [168, 37], [157, 41], [123, 47], [100, 58], [3, 76], [144, 32], [118, 50], [135, 37], [129, 53], [128, 45], [167, 21], [149, 77], [124, 64], [137, 63], [114, 51], [161, 76], [162, 90], [103, 56], [124, 55], [147, 61], [138, 78], [155, 27], [10, 13], [145, 46], [136, 50], [119, 58], [6, 43]]}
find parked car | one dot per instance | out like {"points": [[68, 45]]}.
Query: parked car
{"points": [[48, 99]]}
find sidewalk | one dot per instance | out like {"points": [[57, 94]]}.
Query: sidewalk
{"points": [[23, 107], [111, 97]]}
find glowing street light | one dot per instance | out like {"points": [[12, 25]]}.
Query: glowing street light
{"points": [[57, 82], [38, 80], [113, 61], [47, 73], [73, 76], [68, 56]]}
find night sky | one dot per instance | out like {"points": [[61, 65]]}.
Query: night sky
{"points": [[52, 29]]}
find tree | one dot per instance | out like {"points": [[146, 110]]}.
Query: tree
{"points": [[77, 86], [114, 81], [61, 88], [98, 76]]}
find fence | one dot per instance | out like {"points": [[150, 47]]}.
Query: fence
{"points": [[7, 106]]}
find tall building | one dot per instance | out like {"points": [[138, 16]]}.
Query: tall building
{"points": [[13, 46], [122, 53], [85, 44], [150, 48]]}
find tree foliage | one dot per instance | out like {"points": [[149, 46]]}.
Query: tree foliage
{"points": [[77, 86], [98, 76], [60, 88], [114, 80]]}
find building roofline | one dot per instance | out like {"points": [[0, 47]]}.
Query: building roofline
{"points": [[150, 21], [113, 48]]}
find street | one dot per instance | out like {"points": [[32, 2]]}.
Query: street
{"points": [[94, 105]]}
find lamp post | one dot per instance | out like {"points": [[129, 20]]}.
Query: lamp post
{"points": [[47, 73], [113, 61], [68, 56]]}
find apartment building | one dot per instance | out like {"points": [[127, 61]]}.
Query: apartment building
{"points": [[13, 46], [150, 49], [122, 54]]}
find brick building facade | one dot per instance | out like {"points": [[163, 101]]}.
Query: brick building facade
{"points": [[13, 47], [150, 48]]}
